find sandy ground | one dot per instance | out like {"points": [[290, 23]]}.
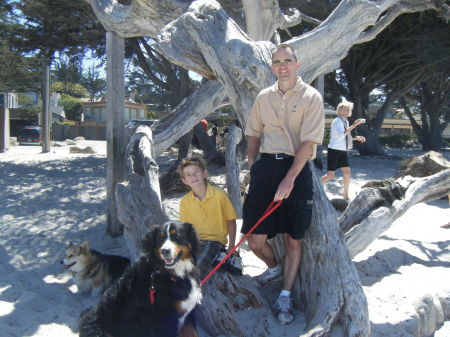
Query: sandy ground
{"points": [[48, 199]]}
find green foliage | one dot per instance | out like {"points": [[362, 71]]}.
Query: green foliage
{"points": [[94, 84], [326, 137], [55, 25], [151, 114], [25, 113], [399, 141], [18, 73], [71, 89], [24, 99], [72, 107], [67, 70], [225, 120]]}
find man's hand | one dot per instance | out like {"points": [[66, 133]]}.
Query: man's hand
{"points": [[360, 139], [284, 189]]}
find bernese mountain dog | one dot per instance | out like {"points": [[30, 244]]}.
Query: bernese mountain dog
{"points": [[157, 295]]}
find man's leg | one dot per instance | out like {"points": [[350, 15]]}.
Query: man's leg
{"points": [[259, 246], [346, 172], [291, 262]]}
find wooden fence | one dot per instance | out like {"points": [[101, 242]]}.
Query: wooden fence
{"points": [[88, 130]]}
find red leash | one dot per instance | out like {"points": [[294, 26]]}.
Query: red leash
{"points": [[272, 207]]}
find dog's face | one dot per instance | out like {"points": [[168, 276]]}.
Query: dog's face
{"points": [[175, 244], [77, 257]]}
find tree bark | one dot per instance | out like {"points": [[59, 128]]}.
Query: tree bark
{"points": [[367, 228], [138, 198], [233, 168]]}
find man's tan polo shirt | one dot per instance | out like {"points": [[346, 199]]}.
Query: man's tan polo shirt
{"points": [[284, 121]]}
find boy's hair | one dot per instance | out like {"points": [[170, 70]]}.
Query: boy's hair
{"points": [[191, 161], [342, 106], [284, 46]]}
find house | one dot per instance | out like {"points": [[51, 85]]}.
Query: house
{"points": [[95, 111], [20, 116], [8, 100]]}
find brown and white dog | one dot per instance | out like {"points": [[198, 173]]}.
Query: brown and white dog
{"points": [[91, 270], [157, 295]]}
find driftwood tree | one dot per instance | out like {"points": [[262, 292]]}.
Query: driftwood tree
{"points": [[200, 36]]}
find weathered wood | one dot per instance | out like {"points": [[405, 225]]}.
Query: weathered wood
{"points": [[180, 30], [371, 221], [233, 168], [423, 166], [187, 114], [115, 133], [270, 18], [223, 296], [138, 198]]}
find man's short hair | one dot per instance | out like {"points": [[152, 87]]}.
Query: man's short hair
{"points": [[190, 161], [342, 106], [284, 46]]}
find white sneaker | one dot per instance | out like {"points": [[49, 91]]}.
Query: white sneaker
{"points": [[268, 276], [283, 310]]}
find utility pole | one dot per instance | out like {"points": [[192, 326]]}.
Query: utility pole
{"points": [[115, 126], [4, 123], [46, 119]]}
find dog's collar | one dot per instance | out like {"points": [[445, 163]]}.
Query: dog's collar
{"points": [[152, 290]]}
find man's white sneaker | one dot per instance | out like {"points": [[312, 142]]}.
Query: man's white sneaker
{"points": [[283, 310], [268, 276]]}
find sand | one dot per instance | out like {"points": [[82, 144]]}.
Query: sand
{"points": [[50, 198]]}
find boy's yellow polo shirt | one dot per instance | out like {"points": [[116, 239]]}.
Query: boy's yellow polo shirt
{"points": [[210, 215]]}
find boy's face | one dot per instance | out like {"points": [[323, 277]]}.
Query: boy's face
{"points": [[193, 176]]}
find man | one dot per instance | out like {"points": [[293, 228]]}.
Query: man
{"points": [[284, 125]]}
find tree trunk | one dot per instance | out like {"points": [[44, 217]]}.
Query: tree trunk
{"points": [[187, 114], [370, 214], [138, 198], [233, 168]]}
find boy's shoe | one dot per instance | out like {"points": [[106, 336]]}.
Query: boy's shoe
{"points": [[268, 276], [219, 257], [283, 310], [234, 264]]}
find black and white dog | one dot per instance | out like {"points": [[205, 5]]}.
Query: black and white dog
{"points": [[156, 296]]}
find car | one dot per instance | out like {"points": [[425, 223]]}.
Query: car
{"points": [[136, 122], [30, 135]]}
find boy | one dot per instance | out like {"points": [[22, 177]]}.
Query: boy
{"points": [[211, 212]]}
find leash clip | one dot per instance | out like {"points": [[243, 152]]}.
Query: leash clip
{"points": [[152, 294]]}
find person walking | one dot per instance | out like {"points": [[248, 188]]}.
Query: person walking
{"points": [[341, 140], [284, 126]]}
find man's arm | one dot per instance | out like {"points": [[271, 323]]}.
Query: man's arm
{"points": [[252, 149], [301, 157]]}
